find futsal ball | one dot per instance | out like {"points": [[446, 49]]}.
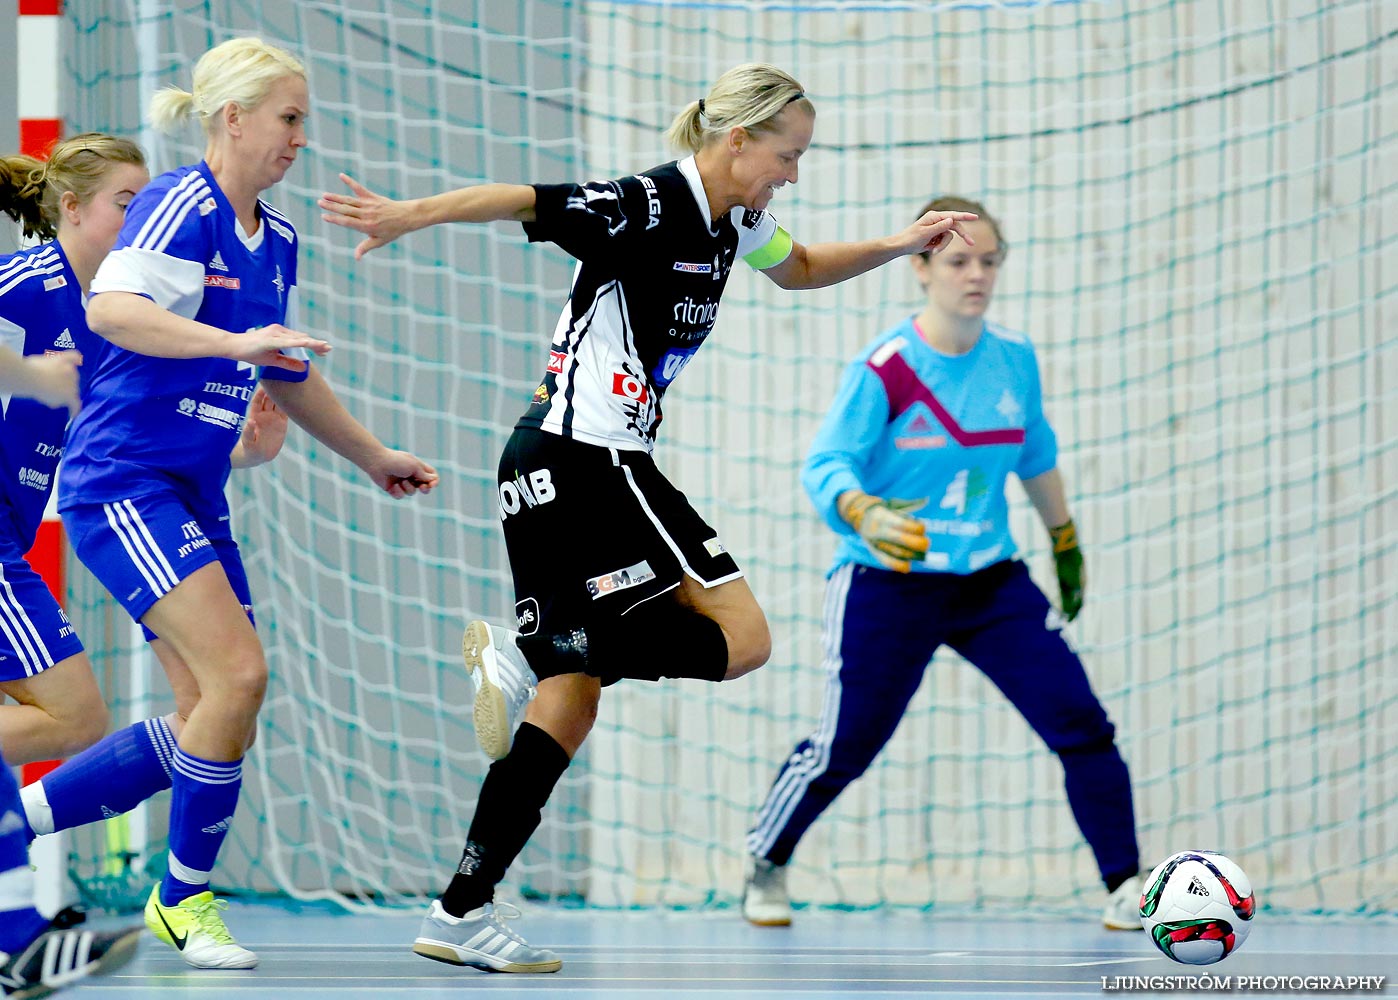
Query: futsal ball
{"points": [[1197, 907]]}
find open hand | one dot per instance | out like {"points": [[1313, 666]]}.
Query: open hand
{"points": [[264, 430], [52, 379], [381, 219], [264, 347]]}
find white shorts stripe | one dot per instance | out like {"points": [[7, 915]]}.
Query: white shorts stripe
{"points": [[157, 587], [145, 533], [791, 786], [26, 656], [30, 640], [670, 543], [645, 506]]}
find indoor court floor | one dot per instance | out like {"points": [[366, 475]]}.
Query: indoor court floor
{"points": [[313, 953]]}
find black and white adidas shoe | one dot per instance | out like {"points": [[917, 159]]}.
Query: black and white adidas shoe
{"points": [[61, 956]]}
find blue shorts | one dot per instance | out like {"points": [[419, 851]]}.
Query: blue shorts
{"points": [[140, 548], [34, 632]]}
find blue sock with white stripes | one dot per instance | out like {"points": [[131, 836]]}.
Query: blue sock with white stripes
{"points": [[107, 779], [20, 923], [201, 811]]}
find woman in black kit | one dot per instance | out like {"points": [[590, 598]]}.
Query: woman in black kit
{"points": [[608, 557]]}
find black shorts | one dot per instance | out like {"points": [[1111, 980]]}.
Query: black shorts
{"points": [[593, 532]]}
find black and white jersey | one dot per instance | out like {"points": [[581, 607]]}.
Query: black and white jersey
{"points": [[651, 269]]}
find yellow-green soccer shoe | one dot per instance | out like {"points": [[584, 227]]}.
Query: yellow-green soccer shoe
{"points": [[195, 928]]}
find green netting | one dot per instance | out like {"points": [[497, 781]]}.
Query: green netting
{"points": [[1201, 201]]}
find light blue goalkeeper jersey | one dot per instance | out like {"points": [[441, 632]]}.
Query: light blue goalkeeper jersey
{"points": [[910, 423]]}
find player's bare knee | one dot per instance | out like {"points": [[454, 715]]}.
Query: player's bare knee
{"points": [[566, 709], [239, 692], [571, 733], [86, 728]]}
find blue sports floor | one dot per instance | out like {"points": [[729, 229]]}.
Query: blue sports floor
{"points": [[319, 955]]}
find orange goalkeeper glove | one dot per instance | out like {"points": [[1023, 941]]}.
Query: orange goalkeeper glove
{"points": [[894, 537]]}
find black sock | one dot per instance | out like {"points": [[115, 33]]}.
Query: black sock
{"points": [[658, 639], [507, 814]]}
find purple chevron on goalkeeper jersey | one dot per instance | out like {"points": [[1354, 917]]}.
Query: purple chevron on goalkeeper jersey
{"points": [[909, 422]]}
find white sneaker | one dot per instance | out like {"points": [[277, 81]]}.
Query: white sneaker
{"points": [[504, 685], [766, 903], [195, 929], [482, 940], [1123, 909]]}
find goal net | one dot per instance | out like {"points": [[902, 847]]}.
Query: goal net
{"points": [[1202, 201]]}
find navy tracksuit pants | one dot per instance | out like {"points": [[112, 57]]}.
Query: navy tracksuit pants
{"points": [[881, 629]]}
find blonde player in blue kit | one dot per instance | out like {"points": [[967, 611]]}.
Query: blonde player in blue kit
{"points": [[74, 202], [944, 407], [199, 292]]}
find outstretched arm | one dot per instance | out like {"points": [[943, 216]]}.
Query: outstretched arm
{"points": [[136, 323], [314, 406], [383, 219], [824, 264]]}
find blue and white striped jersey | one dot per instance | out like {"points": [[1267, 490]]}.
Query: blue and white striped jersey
{"points": [[910, 423], [41, 311], [156, 423]]}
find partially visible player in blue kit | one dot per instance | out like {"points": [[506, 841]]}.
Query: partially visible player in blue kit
{"points": [[37, 957], [198, 294], [75, 202], [943, 408]]}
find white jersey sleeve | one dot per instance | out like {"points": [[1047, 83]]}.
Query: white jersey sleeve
{"points": [[761, 242], [171, 283]]}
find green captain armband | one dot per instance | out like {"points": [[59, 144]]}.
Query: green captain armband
{"points": [[772, 253]]}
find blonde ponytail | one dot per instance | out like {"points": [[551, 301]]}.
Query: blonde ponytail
{"points": [[686, 132], [749, 96], [30, 189], [169, 109], [240, 71]]}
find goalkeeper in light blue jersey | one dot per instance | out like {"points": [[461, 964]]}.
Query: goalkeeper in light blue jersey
{"points": [[909, 469]]}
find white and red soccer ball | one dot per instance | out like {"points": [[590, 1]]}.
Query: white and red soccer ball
{"points": [[1197, 907]]}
